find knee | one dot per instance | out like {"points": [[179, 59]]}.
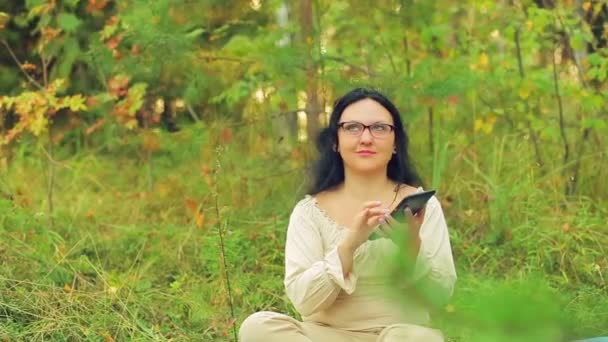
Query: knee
{"points": [[255, 327], [410, 332]]}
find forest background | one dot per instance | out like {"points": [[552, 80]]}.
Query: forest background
{"points": [[151, 152]]}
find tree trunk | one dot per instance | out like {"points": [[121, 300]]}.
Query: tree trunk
{"points": [[307, 40], [287, 125]]}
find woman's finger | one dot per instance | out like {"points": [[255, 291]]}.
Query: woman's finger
{"points": [[373, 215], [371, 204], [414, 219]]}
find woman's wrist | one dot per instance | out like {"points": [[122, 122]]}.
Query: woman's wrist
{"points": [[347, 247]]}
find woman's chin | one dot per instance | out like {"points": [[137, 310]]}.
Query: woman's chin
{"points": [[364, 167]]}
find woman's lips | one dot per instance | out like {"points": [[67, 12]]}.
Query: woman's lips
{"points": [[365, 153]]}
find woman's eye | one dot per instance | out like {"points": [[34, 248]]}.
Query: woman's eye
{"points": [[352, 127], [379, 128]]}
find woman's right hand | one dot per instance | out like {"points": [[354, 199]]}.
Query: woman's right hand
{"points": [[366, 220]]}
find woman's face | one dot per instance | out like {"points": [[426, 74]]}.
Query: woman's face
{"points": [[366, 149]]}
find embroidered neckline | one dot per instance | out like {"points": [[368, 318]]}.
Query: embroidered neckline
{"points": [[323, 213], [326, 216]]}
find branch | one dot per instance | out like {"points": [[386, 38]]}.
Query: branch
{"points": [[356, 67], [387, 53], [518, 49], [227, 59], [45, 65], [193, 114], [272, 116], [560, 107], [562, 128], [10, 51], [522, 74], [224, 263]]}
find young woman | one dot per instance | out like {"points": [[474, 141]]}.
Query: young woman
{"points": [[334, 272]]}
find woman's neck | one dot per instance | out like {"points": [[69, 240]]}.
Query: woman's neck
{"points": [[367, 187]]}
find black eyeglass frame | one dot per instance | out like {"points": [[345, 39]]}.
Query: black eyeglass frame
{"points": [[368, 127]]}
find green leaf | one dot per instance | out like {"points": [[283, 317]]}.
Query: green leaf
{"points": [[195, 33], [71, 53], [71, 3], [596, 123], [68, 22], [33, 3]]}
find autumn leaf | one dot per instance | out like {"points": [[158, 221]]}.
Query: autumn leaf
{"points": [[150, 142], [135, 50], [478, 125], [200, 219], [90, 214], [191, 205], [41, 9], [196, 212], [486, 126], [96, 5], [586, 6], [28, 66], [107, 337], [49, 33], [453, 100], [226, 136], [4, 19], [118, 85], [113, 42], [484, 61]]}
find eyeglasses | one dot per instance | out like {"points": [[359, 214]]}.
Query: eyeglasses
{"points": [[377, 130]]}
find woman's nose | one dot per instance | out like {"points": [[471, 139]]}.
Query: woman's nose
{"points": [[366, 136]]}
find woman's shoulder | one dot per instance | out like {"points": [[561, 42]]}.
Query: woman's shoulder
{"points": [[304, 206], [309, 208]]}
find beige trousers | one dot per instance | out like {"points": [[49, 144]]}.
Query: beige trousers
{"points": [[266, 326]]}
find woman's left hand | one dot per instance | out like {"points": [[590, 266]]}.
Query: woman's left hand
{"points": [[412, 225]]}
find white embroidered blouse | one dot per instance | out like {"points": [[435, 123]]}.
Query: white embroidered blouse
{"points": [[314, 278]]}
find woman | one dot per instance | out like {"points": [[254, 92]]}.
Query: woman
{"points": [[334, 274]]}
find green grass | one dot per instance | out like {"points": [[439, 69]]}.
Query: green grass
{"points": [[124, 259]]}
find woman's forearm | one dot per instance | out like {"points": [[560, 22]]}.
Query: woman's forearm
{"points": [[346, 253]]}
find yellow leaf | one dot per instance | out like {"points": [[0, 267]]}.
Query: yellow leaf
{"points": [[488, 128], [200, 219], [131, 124], [57, 85], [4, 18], [524, 92], [67, 288], [483, 61], [478, 125], [76, 103], [39, 125], [587, 6]]}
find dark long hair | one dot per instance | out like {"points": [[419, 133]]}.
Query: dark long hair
{"points": [[329, 168]]}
